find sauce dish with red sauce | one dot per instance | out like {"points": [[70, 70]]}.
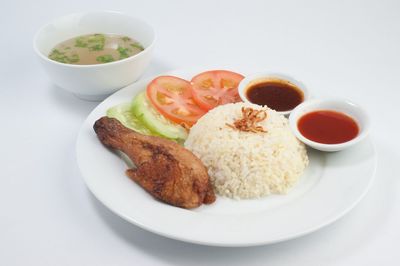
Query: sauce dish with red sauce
{"points": [[329, 125]]}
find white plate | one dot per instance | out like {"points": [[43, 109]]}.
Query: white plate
{"points": [[330, 187]]}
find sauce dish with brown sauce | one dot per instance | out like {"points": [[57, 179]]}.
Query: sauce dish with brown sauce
{"points": [[274, 90]]}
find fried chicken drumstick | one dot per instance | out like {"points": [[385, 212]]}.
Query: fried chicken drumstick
{"points": [[166, 170]]}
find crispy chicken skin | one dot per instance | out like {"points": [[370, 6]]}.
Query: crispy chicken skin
{"points": [[166, 170]]}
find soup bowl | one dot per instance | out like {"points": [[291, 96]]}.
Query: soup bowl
{"points": [[94, 82]]}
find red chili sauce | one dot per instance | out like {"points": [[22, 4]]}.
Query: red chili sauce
{"points": [[328, 127], [279, 95]]}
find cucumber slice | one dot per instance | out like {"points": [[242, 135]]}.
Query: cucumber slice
{"points": [[153, 120], [123, 113]]}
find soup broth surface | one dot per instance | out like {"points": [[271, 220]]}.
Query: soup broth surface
{"points": [[95, 49]]}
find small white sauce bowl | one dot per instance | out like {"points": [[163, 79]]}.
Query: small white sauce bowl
{"points": [[261, 76], [354, 111], [94, 82]]}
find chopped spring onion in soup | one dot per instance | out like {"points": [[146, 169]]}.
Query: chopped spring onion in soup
{"points": [[95, 49]]}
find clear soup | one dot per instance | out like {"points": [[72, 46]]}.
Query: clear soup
{"points": [[94, 49]]}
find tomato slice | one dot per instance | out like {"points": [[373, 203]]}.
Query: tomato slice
{"points": [[216, 87], [172, 97]]}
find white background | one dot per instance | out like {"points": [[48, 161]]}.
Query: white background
{"points": [[338, 48]]}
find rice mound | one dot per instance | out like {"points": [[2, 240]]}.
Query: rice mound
{"points": [[245, 164]]}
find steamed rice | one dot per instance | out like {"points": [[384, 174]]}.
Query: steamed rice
{"points": [[246, 164]]}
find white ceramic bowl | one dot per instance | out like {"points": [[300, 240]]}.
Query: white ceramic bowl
{"points": [[94, 82], [253, 79], [354, 111]]}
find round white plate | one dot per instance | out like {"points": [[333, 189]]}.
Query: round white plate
{"points": [[331, 186]]}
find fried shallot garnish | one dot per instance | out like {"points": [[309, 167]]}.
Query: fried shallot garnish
{"points": [[248, 123]]}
